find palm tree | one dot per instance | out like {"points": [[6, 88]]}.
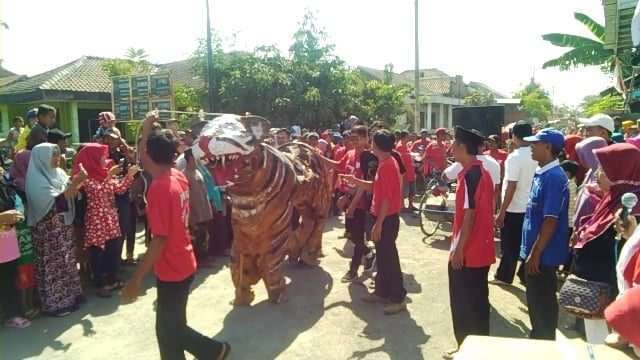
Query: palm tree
{"points": [[136, 54], [585, 51]]}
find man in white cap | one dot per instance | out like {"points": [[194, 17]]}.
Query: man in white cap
{"points": [[600, 125]]}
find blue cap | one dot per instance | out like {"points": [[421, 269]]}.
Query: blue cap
{"points": [[33, 113], [550, 136]]}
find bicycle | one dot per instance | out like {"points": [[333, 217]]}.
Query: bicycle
{"points": [[432, 213]]}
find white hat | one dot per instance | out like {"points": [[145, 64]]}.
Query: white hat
{"points": [[602, 120]]}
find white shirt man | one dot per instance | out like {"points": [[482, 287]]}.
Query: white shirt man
{"points": [[519, 171]]}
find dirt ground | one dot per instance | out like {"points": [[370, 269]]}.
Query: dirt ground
{"points": [[323, 319]]}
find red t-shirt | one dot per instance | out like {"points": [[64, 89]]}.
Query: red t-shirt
{"points": [[420, 146], [339, 153], [499, 155], [435, 157], [387, 185], [350, 164], [168, 216], [407, 160]]}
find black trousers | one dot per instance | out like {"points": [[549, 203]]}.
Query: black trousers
{"points": [[124, 220], [389, 282], [510, 240], [105, 262], [355, 226], [469, 301], [542, 303], [173, 334], [8, 291]]}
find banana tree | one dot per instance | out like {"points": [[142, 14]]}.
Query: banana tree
{"points": [[586, 51]]}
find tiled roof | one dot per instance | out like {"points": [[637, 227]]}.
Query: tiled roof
{"points": [[82, 75], [182, 74]]}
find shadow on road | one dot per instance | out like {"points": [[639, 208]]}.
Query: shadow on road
{"points": [[402, 336], [265, 330], [500, 326]]}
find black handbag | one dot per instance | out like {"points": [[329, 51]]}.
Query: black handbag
{"points": [[584, 298]]}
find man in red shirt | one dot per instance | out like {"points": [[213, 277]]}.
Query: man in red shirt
{"points": [[385, 207], [170, 253], [356, 211], [435, 155], [493, 145], [472, 250], [419, 146], [409, 179]]}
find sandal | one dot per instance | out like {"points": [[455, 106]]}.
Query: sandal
{"points": [[224, 352], [17, 323], [129, 262]]}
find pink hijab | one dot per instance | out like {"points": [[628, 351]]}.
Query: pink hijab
{"points": [[19, 168]]}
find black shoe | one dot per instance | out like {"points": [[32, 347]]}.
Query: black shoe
{"points": [[349, 277], [369, 262]]}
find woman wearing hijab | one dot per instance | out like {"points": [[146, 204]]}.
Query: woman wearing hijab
{"points": [[570, 144], [102, 229], [50, 195], [589, 194], [595, 249], [18, 172]]}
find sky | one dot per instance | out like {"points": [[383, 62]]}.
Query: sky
{"points": [[497, 42]]}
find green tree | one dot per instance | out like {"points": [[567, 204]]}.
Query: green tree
{"points": [[609, 104], [134, 62], [479, 98], [586, 51], [535, 101], [186, 98], [310, 87]]}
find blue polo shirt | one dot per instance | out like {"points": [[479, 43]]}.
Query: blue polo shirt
{"points": [[549, 196]]}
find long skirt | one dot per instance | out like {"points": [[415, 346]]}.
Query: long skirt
{"points": [[56, 268]]}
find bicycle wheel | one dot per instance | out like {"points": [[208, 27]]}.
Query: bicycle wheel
{"points": [[427, 226]]}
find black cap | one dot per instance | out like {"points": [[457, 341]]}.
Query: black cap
{"points": [[471, 137], [56, 135]]}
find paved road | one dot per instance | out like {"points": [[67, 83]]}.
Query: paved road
{"points": [[323, 319]]}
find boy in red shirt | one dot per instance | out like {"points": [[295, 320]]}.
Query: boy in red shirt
{"points": [[356, 211], [385, 207], [170, 253], [435, 155], [409, 179], [472, 250]]}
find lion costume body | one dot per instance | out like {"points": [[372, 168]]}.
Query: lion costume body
{"points": [[269, 187]]}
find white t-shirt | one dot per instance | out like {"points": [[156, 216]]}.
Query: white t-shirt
{"points": [[488, 163], [519, 167]]}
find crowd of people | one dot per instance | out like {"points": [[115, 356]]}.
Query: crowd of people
{"points": [[555, 199]]}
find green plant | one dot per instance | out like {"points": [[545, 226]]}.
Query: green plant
{"points": [[535, 101], [479, 98], [586, 51], [609, 104]]}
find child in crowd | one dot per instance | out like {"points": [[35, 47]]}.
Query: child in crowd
{"points": [[385, 208], [10, 257], [355, 204], [409, 179], [200, 214]]}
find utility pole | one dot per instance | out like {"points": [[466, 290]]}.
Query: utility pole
{"points": [[417, 120], [211, 92]]}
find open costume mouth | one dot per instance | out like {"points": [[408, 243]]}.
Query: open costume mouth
{"points": [[226, 143]]}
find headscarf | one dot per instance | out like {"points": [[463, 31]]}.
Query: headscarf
{"points": [[18, 170], [90, 157], [634, 141], [625, 177], [570, 143], [44, 184], [589, 196], [584, 151]]}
